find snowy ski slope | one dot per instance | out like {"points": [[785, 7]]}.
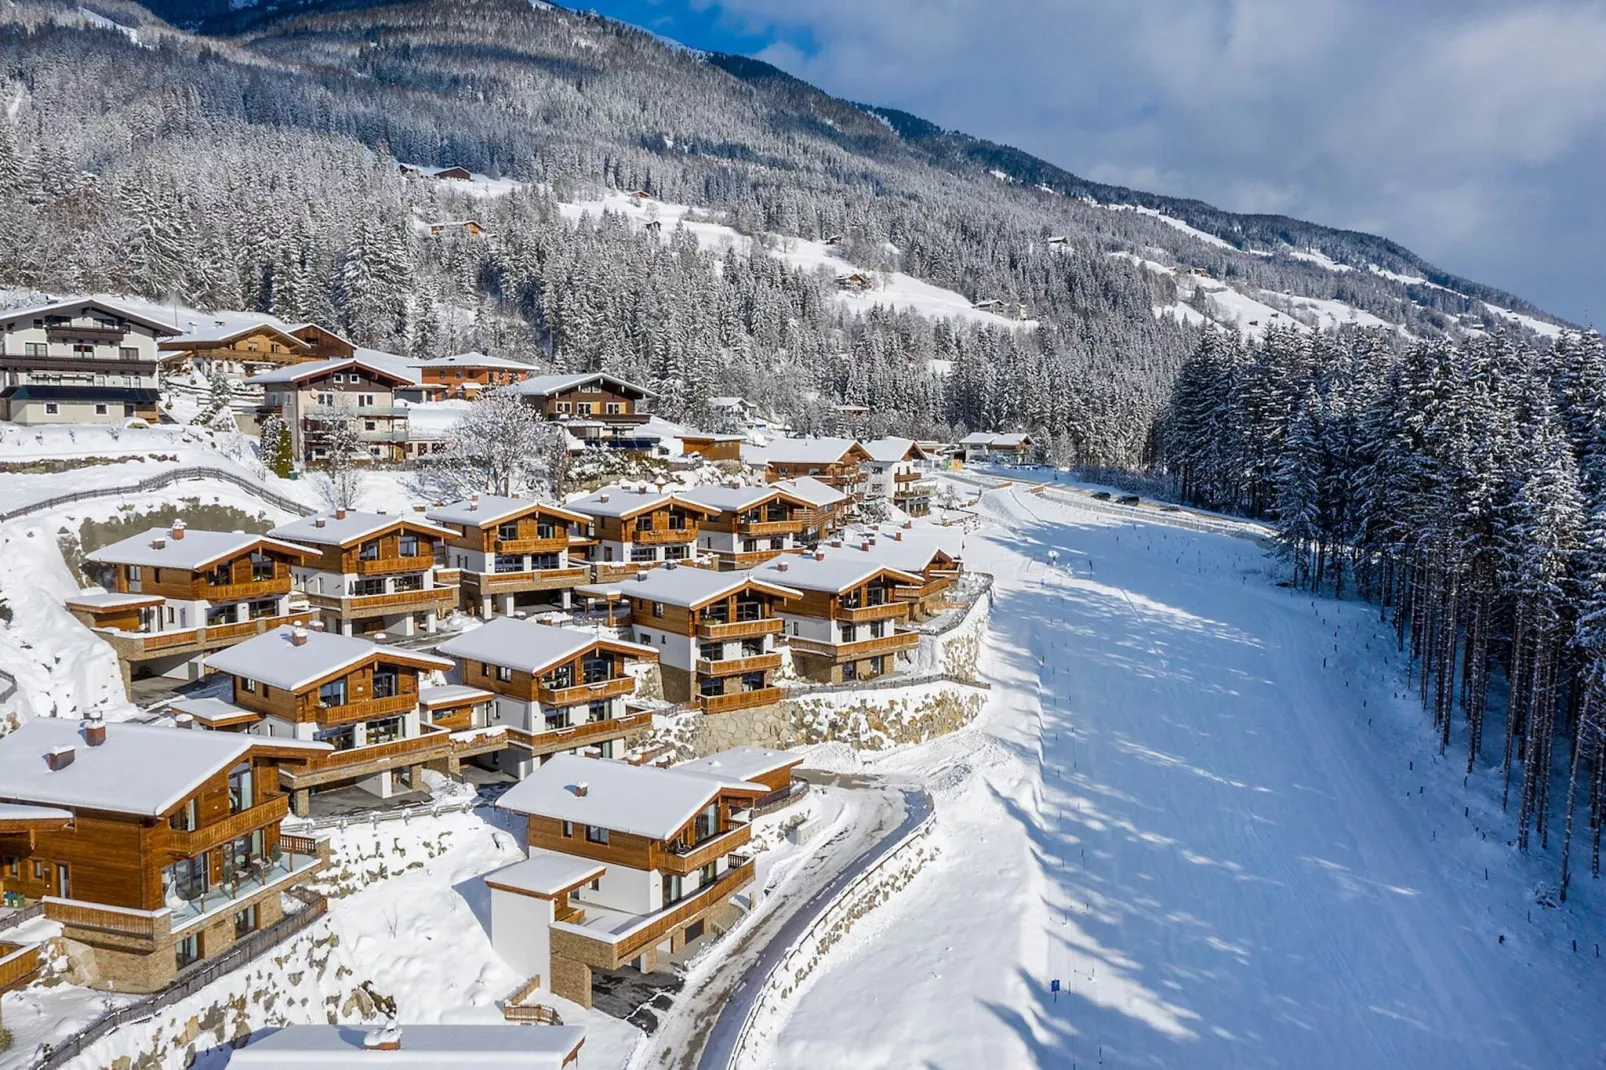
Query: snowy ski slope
{"points": [[1196, 801]]}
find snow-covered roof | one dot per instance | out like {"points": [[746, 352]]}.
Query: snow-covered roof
{"points": [[910, 555], [344, 530], [546, 874], [890, 449], [543, 385], [219, 332], [213, 711], [421, 1047], [368, 360], [710, 436], [816, 492], [641, 800], [619, 502], [492, 509], [527, 645], [473, 359], [832, 575], [139, 769], [451, 695], [27, 813], [273, 659], [729, 499], [686, 586], [74, 303], [743, 763], [990, 440], [294, 328], [157, 548], [112, 600], [399, 366], [808, 450]]}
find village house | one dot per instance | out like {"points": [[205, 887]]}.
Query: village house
{"points": [[596, 408], [79, 361], [637, 529], [988, 446], [513, 553], [554, 689], [321, 342], [894, 474], [774, 769], [442, 1046], [174, 594], [753, 524], [466, 375], [934, 559], [715, 632], [827, 508], [836, 462], [156, 849], [712, 447], [846, 624], [233, 348], [372, 572], [361, 698], [626, 863], [311, 397]]}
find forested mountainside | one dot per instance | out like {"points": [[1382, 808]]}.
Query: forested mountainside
{"points": [[259, 171]]}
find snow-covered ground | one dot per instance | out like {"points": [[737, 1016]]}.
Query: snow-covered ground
{"points": [[1538, 326], [1193, 801]]}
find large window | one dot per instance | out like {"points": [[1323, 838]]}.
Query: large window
{"points": [[261, 567], [384, 730], [216, 615], [560, 677], [187, 951], [509, 530], [407, 546], [245, 922], [332, 693], [596, 668], [509, 563], [597, 711], [187, 819], [413, 581], [674, 553], [185, 879], [596, 834], [387, 682], [242, 789], [369, 551], [242, 857], [342, 738], [371, 585]]}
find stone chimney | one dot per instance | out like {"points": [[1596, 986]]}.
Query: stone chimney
{"points": [[897, 536], [319, 521], [602, 497], [865, 544], [580, 789], [340, 513], [94, 730], [59, 758], [178, 530], [159, 543], [298, 636], [184, 720]]}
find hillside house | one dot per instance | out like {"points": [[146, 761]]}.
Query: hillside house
{"points": [[321, 342], [311, 397], [938, 565], [360, 698], [164, 850], [846, 625], [988, 446], [637, 529], [836, 462], [598, 409], [467, 375], [514, 553], [895, 474], [175, 594], [553, 689], [233, 349], [855, 282], [372, 572], [774, 769], [79, 361], [441, 1046], [712, 447], [753, 524], [827, 512], [715, 632], [626, 862]]}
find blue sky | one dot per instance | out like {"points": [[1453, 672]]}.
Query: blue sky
{"points": [[1472, 131]]}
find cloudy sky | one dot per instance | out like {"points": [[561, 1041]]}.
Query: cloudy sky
{"points": [[1472, 131]]}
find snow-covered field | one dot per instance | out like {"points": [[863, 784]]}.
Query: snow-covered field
{"points": [[1194, 801]]}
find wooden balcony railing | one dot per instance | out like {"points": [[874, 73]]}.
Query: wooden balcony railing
{"points": [[437, 598], [385, 566], [189, 844], [659, 536], [18, 963], [726, 885], [864, 614], [137, 643], [365, 710], [552, 544], [243, 592], [540, 579], [365, 761], [739, 629], [700, 854], [298, 845], [738, 700], [557, 739], [929, 589], [863, 648], [733, 666], [571, 696], [142, 924], [761, 528]]}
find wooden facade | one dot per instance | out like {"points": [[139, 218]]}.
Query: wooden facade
{"points": [[247, 350]]}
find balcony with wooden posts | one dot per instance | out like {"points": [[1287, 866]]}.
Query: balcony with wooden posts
{"points": [[134, 646], [355, 763], [739, 700], [561, 739], [920, 488], [736, 666], [895, 643], [364, 710], [739, 629], [12, 362], [609, 571], [580, 693], [386, 566], [538, 579], [698, 855], [893, 610], [67, 332], [660, 536], [550, 544], [608, 950], [759, 529], [188, 844], [354, 607], [930, 589]]}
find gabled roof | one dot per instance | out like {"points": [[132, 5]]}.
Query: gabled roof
{"points": [[353, 527], [317, 369], [833, 575], [743, 763], [622, 503], [816, 492], [545, 875], [493, 509], [641, 800], [139, 769], [528, 646], [273, 659], [7, 316], [296, 328], [474, 360], [910, 555], [545, 385], [422, 1047], [893, 449], [222, 332], [735, 499], [992, 440], [687, 587], [195, 551], [813, 451]]}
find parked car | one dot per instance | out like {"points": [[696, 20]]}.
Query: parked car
{"points": [[1128, 499], [1101, 495]]}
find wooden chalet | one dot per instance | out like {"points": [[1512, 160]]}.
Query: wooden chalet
{"points": [[935, 560], [553, 689], [322, 343], [897, 473], [514, 553], [661, 849], [234, 348], [828, 508], [846, 625], [467, 375], [372, 572], [753, 525], [360, 698], [711, 446], [175, 594], [79, 361], [715, 632], [836, 462], [598, 409], [313, 396], [637, 529], [156, 849]]}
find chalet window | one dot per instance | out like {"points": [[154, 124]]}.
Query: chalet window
{"points": [[878, 664], [412, 582], [850, 670], [187, 951], [340, 377], [387, 682], [540, 561], [559, 678], [567, 828], [878, 629], [596, 834], [658, 609], [504, 674], [128, 353], [596, 669], [365, 401], [242, 788], [596, 885], [749, 608], [851, 600], [557, 719], [671, 888], [778, 544], [245, 922], [712, 652], [544, 529], [326, 400], [369, 551], [509, 563], [749, 546], [643, 553], [370, 586], [51, 408], [156, 577], [563, 406], [705, 877], [242, 857], [370, 425], [216, 615], [36, 349], [38, 870], [186, 819], [342, 738], [597, 711], [407, 545], [87, 352], [332, 693], [128, 410], [375, 451], [186, 879], [386, 730], [263, 607], [709, 686], [100, 410], [246, 685], [485, 670], [849, 633], [674, 553], [752, 681], [261, 567], [509, 530], [133, 573], [677, 520], [613, 408], [582, 408], [644, 523]]}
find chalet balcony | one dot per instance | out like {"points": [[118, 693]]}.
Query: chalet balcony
{"points": [[924, 488], [280, 869], [357, 762], [683, 860], [574, 696], [865, 614], [739, 629], [188, 844], [734, 666], [768, 528], [608, 571], [609, 944], [355, 607], [895, 643], [552, 544], [540, 579], [366, 710], [739, 700], [929, 589], [661, 536], [66, 332], [385, 566], [134, 646], [12, 362], [244, 592], [580, 735]]}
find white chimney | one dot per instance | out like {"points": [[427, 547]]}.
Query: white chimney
{"points": [[184, 720], [298, 636], [819, 555], [178, 530], [781, 566], [59, 758], [641, 577]]}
